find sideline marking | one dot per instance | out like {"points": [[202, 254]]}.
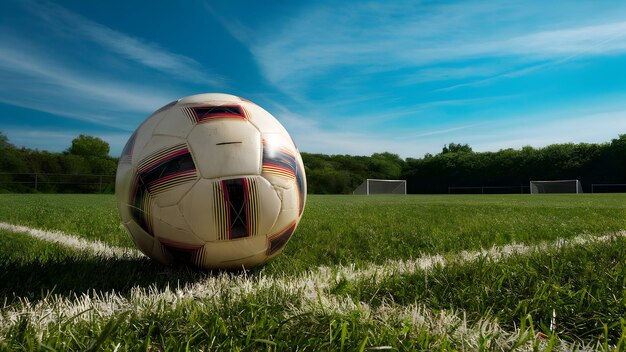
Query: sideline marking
{"points": [[312, 287], [95, 247]]}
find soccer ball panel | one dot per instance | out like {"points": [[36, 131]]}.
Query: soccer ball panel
{"points": [[300, 183], [158, 148], [226, 147], [228, 209], [279, 160], [174, 192], [176, 237], [172, 216], [123, 181], [263, 120], [267, 204], [289, 199], [197, 208], [166, 170], [234, 254], [277, 241], [144, 133], [143, 240], [244, 207], [290, 210], [177, 124]]}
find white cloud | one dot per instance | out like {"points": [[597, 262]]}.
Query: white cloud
{"points": [[589, 122], [540, 131], [419, 111], [355, 48], [147, 54], [35, 81], [443, 73], [89, 86], [594, 40], [447, 131], [313, 136], [367, 37]]}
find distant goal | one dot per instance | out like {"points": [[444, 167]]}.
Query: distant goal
{"points": [[558, 186], [376, 186]]}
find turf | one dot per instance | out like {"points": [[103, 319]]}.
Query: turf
{"points": [[488, 303], [34, 269], [357, 230], [344, 230], [91, 216], [579, 290]]}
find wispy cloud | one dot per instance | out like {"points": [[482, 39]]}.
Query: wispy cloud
{"points": [[603, 39], [352, 77], [422, 111], [612, 43], [579, 124], [312, 135], [447, 130], [37, 66], [369, 37], [145, 53], [592, 128], [589, 121], [35, 81], [447, 73]]}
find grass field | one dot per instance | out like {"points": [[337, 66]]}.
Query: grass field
{"points": [[494, 272]]}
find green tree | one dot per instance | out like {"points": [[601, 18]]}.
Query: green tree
{"points": [[85, 146], [4, 141], [90, 154], [385, 166], [456, 148], [11, 158]]}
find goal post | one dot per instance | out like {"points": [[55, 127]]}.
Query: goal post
{"points": [[377, 186], [556, 186]]}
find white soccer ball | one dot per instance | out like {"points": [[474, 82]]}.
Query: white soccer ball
{"points": [[211, 180]]}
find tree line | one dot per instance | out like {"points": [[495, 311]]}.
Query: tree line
{"points": [[78, 169], [457, 165]]}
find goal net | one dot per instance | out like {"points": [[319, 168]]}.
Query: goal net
{"points": [[374, 186], [559, 186]]}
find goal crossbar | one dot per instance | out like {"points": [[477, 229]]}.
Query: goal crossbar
{"points": [[381, 186], [555, 186]]}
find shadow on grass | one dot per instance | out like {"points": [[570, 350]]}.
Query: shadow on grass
{"points": [[69, 276]]}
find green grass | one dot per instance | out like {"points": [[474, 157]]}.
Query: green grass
{"points": [[33, 269], [92, 216], [584, 287], [273, 307], [267, 320], [344, 230]]}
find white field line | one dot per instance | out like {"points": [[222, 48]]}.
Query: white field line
{"points": [[425, 263], [96, 248], [313, 288], [449, 326]]}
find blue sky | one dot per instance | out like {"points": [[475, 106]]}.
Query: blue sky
{"points": [[343, 77]]}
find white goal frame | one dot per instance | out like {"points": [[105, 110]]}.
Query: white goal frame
{"points": [[365, 188], [540, 187]]}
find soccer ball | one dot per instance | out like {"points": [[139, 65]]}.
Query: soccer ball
{"points": [[211, 180]]}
